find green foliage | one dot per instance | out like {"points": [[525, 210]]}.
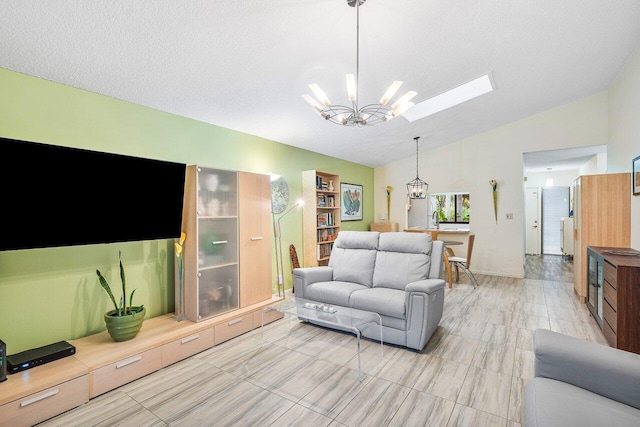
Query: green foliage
{"points": [[122, 309]]}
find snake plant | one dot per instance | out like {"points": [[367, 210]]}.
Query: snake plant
{"points": [[123, 309]]}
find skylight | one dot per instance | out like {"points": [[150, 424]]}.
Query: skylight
{"points": [[450, 98]]}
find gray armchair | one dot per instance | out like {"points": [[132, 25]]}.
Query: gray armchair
{"points": [[580, 383]]}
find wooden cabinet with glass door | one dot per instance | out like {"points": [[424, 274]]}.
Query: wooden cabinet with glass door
{"points": [[320, 216]]}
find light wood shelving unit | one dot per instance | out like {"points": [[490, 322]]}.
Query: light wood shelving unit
{"points": [[320, 216], [602, 217]]}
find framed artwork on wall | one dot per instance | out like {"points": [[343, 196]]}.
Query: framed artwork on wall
{"points": [[635, 176], [351, 202]]}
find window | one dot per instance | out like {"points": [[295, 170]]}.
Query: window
{"points": [[451, 207]]}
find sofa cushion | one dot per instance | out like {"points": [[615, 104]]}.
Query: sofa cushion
{"points": [[353, 257], [384, 301], [402, 258], [334, 292], [555, 403]]}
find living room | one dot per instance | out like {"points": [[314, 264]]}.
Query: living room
{"points": [[50, 294]]}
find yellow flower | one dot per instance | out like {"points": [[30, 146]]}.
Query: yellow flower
{"points": [[389, 188], [178, 246], [493, 183]]}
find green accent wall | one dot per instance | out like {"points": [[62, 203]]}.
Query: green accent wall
{"points": [[52, 294]]}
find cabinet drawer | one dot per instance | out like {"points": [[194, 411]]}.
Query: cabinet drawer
{"points": [[45, 404], [609, 335], [611, 295], [187, 346], [124, 371], [610, 316], [611, 274], [269, 316], [233, 328]]}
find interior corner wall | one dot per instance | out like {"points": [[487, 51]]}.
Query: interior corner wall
{"points": [[49, 295], [595, 166], [469, 165], [624, 130]]}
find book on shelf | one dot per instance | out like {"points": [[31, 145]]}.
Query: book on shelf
{"points": [[327, 235], [322, 201], [323, 219], [331, 201], [318, 182], [323, 250]]}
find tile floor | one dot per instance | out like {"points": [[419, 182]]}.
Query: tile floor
{"points": [[471, 373]]}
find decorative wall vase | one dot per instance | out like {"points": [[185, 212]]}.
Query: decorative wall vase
{"points": [[494, 186]]}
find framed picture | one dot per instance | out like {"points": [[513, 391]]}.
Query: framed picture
{"points": [[635, 176], [350, 202]]}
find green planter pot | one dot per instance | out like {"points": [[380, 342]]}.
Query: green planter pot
{"points": [[123, 328]]}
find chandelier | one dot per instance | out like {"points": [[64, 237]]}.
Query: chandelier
{"points": [[417, 189], [354, 115]]}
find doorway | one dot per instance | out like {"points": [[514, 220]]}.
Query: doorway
{"points": [[555, 206]]}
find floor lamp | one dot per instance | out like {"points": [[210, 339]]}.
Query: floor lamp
{"points": [[278, 234]]}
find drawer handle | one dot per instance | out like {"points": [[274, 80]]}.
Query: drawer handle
{"points": [[256, 238], [219, 242], [189, 339], [38, 398], [233, 322], [128, 362]]}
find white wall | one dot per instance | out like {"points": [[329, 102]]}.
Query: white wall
{"points": [[596, 166], [624, 130], [469, 164]]}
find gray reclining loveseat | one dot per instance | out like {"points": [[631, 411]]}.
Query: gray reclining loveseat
{"points": [[581, 383], [396, 275]]}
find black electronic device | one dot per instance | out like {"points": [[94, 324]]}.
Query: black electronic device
{"points": [[39, 356], [3, 361]]}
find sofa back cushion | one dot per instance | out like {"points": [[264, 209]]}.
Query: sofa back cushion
{"points": [[402, 258], [353, 256]]}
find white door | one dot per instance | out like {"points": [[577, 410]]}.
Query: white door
{"points": [[532, 233], [555, 205]]}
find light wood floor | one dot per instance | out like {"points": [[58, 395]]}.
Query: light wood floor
{"points": [[471, 373]]}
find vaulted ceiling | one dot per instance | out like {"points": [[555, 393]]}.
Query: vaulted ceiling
{"points": [[244, 65]]}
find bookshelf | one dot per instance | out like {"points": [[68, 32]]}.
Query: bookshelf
{"points": [[320, 216]]}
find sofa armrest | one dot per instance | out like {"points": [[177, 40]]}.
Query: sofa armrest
{"points": [[603, 370], [303, 277], [426, 286]]}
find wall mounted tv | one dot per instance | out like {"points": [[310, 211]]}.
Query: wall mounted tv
{"points": [[56, 196]]}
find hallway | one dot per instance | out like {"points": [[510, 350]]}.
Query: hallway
{"points": [[557, 268]]}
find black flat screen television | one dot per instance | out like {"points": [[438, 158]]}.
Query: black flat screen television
{"points": [[57, 196]]}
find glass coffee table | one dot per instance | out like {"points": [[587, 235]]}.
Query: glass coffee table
{"points": [[336, 317]]}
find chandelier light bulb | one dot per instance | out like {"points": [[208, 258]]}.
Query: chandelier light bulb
{"points": [[315, 104], [403, 99], [402, 108], [351, 87], [390, 92], [319, 93]]}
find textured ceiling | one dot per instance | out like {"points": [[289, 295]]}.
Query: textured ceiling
{"points": [[244, 64]]}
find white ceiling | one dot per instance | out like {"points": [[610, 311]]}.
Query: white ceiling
{"points": [[569, 159], [244, 64]]}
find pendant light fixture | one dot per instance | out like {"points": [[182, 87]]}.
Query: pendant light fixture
{"points": [[354, 115], [417, 189]]}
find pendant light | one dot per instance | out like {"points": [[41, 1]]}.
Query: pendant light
{"points": [[417, 189]]}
